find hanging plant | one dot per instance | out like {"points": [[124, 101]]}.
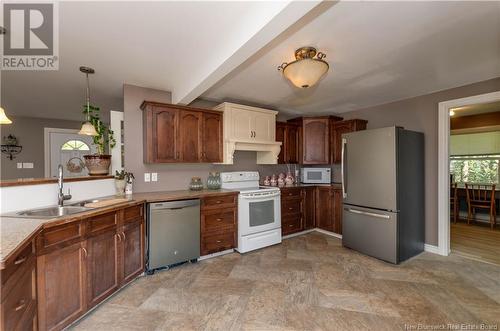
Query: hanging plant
{"points": [[105, 136]]}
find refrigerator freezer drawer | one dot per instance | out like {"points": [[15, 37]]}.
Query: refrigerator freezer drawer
{"points": [[371, 232]]}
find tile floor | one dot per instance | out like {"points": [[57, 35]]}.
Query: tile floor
{"points": [[309, 282]]}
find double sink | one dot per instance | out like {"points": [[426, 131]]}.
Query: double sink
{"points": [[56, 211]]}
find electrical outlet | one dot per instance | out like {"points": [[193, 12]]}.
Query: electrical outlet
{"points": [[147, 177], [154, 176], [28, 165], [19, 165]]}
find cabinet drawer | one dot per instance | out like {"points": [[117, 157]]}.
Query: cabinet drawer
{"points": [[218, 242], [19, 301], [216, 221], [18, 261], [291, 206], [131, 214], [59, 236], [101, 223], [219, 201], [290, 193], [291, 224]]}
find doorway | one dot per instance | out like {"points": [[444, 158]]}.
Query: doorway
{"points": [[470, 241], [66, 147]]}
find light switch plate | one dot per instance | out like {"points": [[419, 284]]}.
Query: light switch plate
{"points": [[147, 177], [19, 165], [28, 165], [154, 176]]}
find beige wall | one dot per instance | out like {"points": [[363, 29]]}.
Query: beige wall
{"points": [[421, 114], [30, 134]]}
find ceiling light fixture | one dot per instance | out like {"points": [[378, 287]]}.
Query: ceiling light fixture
{"points": [[307, 69], [88, 128], [452, 113], [3, 118]]}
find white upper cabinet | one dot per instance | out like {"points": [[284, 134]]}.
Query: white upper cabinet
{"points": [[249, 129]]}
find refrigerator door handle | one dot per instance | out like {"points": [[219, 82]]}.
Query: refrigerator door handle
{"points": [[366, 213], [342, 165]]}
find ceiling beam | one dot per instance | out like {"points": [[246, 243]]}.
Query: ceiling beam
{"points": [[291, 12]]}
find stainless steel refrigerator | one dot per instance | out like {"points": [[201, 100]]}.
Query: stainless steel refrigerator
{"points": [[383, 193]]}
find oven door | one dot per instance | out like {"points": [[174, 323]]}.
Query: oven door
{"points": [[259, 213]]}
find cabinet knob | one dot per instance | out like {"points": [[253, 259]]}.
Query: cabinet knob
{"points": [[290, 208], [218, 241], [85, 252], [219, 219], [290, 225], [218, 201], [20, 260]]}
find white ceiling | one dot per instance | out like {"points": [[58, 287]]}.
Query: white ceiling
{"points": [[378, 52]]}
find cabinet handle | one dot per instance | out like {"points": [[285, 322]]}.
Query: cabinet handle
{"points": [[290, 225], [123, 235], [290, 208], [218, 241], [22, 304], [254, 134], [85, 252], [219, 219], [119, 237], [21, 260], [218, 201], [290, 193]]}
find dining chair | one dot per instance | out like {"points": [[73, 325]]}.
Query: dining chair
{"points": [[454, 205], [481, 196]]}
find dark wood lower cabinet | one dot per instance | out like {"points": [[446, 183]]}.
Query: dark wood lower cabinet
{"points": [[329, 209], [102, 266], [337, 211], [133, 250], [74, 277], [309, 207], [61, 285]]}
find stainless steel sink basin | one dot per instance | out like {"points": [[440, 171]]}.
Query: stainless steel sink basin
{"points": [[52, 212], [83, 203]]}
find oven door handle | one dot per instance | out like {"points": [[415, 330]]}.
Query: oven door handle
{"points": [[250, 197]]}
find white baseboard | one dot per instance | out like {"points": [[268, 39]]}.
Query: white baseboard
{"points": [[209, 256], [432, 249], [297, 234], [333, 234]]}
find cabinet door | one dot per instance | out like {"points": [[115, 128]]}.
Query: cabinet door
{"points": [[324, 208], [133, 250], [309, 198], [212, 137], [281, 137], [316, 144], [263, 126], [292, 144], [190, 132], [337, 211], [102, 266], [61, 281], [165, 135], [338, 130], [242, 124]]}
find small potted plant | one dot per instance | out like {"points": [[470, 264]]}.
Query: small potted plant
{"points": [[98, 163], [121, 179]]}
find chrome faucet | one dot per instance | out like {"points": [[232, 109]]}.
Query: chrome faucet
{"points": [[61, 196]]}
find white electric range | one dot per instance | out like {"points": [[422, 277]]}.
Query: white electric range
{"points": [[259, 210]]}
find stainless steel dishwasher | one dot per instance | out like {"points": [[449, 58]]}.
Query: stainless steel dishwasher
{"points": [[173, 233]]}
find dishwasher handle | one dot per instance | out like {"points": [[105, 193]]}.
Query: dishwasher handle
{"points": [[174, 204]]}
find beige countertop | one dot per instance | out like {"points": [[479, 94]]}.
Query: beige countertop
{"points": [[16, 231]]}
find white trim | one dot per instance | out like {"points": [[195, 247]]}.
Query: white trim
{"points": [[443, 163], [46, 145], [431, 249], [297, 234], [332, 234], [116, 117], [209, 256]]}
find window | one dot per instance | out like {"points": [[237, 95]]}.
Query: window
{"points": [[75, 145], [481, 169]]}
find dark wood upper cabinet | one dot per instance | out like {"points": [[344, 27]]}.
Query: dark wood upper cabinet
{"points": [[190, 133], [179, 134], [316, 140], [280, 136], [338, 129], [212, 138]]}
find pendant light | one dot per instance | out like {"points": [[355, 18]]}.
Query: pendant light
{"points": [[3, 118], [88, 128], [307, 69]]}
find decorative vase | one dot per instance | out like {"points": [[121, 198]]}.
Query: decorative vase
{"points": [[274, 180], [120, 186], [267, 181], [128, 188], [196, 184], [213, 181], [289, 180], [97, 164]]}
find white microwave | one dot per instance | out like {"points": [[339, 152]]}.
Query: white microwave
{"points": [[316, 175]]}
